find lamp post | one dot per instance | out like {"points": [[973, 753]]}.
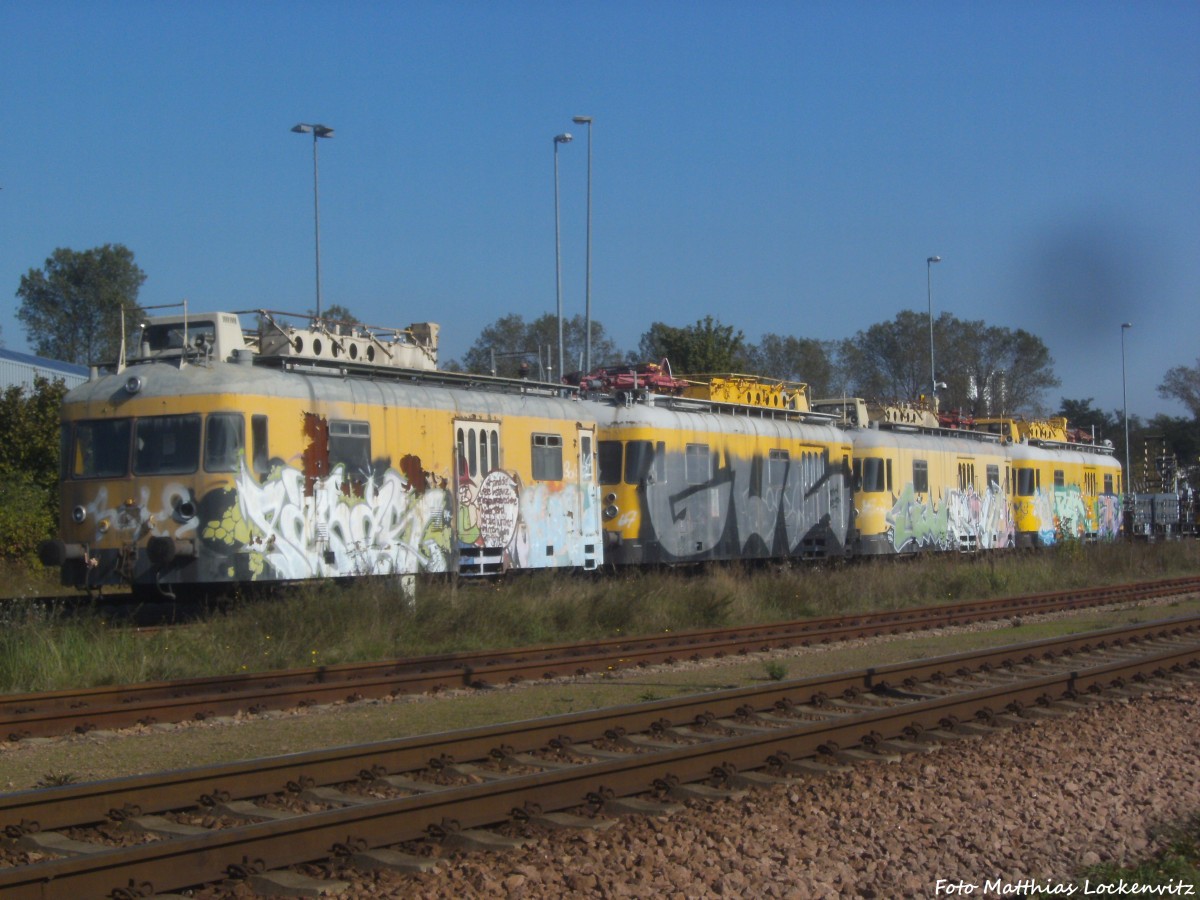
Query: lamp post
{"points": [[1125, 326], [558, 139], [317, 131], [587, 302], [929, 291]]}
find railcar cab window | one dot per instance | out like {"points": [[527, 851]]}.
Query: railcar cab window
{"points": [[262, 455], [350, 445], [547, 457], [609, 453], [101, 449], [166, 445], [873, 475], [224, 438]]}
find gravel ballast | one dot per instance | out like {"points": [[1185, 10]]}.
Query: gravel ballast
{"points": [[1018, 813]]}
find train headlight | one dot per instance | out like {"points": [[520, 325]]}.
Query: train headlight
{"points": [[611, 511], [610, 498], [78, 515], [133, 385], [104, 525]]}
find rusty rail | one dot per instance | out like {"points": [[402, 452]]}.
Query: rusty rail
{"points": [[60, 712], [727, 733]]}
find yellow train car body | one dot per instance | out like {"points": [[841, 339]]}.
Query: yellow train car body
{"points": [[1063, 488], [223, 470], [920, 490], [688, 480]]}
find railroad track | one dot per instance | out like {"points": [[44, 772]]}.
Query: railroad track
{"points": [[253, 820], [62, 712]]}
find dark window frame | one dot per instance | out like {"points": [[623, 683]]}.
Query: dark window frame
{"points": [[546, 461]]}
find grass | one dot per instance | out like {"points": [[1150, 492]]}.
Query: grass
{"points": [[1178, 864], [333, 623]]}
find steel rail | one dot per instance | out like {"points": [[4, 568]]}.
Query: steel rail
{"points": [[58, 712], [194, 860], [183, 861], [91, 802]]}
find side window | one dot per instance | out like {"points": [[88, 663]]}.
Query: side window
{"points": [[993, 477], [166, 445], [262, 453], [697, 464], [1026, 482], [777, 462], [1059, 479], [585, 458], [547, 457], [639, 461], [224, 438], [350, 445], [64, 451], [874, 474], [921, 476], [966, 476], [1108, 484], [610, 462]]}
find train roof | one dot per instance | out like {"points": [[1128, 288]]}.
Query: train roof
{"points": [[366, 354]]}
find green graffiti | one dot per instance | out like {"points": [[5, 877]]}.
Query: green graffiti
{"points": [[914, 522]]}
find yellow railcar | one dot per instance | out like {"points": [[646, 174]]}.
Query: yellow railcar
{"points": [[1063, 486], [919, 486], [212, 459], [688, 479]]}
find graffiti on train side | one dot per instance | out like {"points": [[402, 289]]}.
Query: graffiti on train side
{"points": [[745, 508], [964, 520], [1066, 514], [293, 526], [1108, 515]]}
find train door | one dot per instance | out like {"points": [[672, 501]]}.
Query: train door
{"points": [[590, 528], [486, 503]]}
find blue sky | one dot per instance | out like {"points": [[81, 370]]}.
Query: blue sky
{"points": [[784, 167]]}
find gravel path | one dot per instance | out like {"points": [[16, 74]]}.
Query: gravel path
{"points": [[1032, 805]]}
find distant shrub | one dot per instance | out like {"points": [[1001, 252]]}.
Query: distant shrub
{"points": [[26, 517]]}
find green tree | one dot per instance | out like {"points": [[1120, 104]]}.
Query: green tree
{"points": [[1182, 383], [29, 428], [985, 369], [72, 307], [511, 341], [1081, 414], [890, 360], [707, 347], [795, 359], [29, 465]]}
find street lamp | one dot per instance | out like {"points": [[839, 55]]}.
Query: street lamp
{"points": [[558, 139], [1125, 405], [929, 290], [317, 131], [587, 303]]}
